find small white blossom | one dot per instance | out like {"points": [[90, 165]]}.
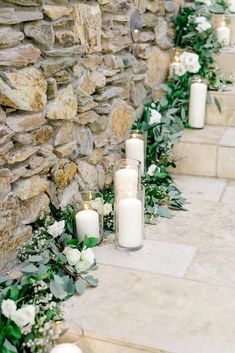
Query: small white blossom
{"points": [[72, 255], [8, 308], [56, 228], [202, 24], [24, 316], [177, 69], [155, 117], [107, 209], [152, 169], [86, 260]]}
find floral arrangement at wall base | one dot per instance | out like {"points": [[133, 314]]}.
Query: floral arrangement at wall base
{"points": [[53, 267]]}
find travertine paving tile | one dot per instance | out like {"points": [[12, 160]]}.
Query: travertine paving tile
{"points": [[213, 265], [206, 223], [229, 193], [210, 135], [228, 138], [226, 162], [157, 257], [156, 312], [200, 188]]}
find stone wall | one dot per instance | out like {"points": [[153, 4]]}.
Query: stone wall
{"points": [[71, 84]]}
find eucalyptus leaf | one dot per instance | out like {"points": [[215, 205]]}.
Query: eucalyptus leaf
{"points": [[29, 268], [80, 286], [93, 282]]}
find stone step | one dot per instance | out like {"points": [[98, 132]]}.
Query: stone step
{"points": [[225, 61], [229, 19], [206, 152], [227, 102]]}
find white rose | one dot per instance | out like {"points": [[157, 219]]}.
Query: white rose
{"points": [[86, 260], [187, 58], [202, 24], [72, 255], [194, 68], [107, 209], [151, 169], [155, 117], [8, 308], [177, 69], [56, 228], [24, 316]]}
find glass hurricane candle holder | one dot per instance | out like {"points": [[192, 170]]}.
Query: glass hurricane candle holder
{"points": [[89, 218], [136, 146], [129, 221], [127, 176], [197, 102]]}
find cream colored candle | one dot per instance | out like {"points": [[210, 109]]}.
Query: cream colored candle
{"points": [[66, 348], [135, 150], [232, 5], [126, 180], [197, 104], [87, 224], [130, 232], [223, 35]]}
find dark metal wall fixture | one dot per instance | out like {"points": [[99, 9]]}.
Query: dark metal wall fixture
{"points": [[135, 26]]}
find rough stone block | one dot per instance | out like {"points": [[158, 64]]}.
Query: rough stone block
{"points": [[30, 187], [64, 106], [25, 122], [19, 56], [24, 89], [32, 208]]}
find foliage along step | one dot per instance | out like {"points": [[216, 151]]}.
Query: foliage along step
{"points": [[226, 100], [206, 152], [225, 60]]}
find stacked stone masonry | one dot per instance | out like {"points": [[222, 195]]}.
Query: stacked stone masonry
{"points": [[71, 84]]}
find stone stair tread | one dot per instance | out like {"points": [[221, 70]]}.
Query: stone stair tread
{"points": [[210, 135], [154, 313], [206, 152], [136, 310]]}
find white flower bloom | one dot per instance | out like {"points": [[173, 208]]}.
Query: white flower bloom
{"points": [[72, 255], [8, 308], [107, 209], [86, 260], [190, 62], [177, 69], [155, 117], [56, 228], [202, 24], [152, 169], [24, 316]]}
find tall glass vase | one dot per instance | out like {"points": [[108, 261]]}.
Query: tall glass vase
{"points": [[129, 220]]}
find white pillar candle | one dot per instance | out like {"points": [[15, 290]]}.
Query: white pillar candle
{"points": [[66, 348], [197, 104], [130, 232], [87, 224], [126, 180], [135, 150], [232, 6], [223, 35]]}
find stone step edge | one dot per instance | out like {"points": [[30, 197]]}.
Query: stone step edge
{"points": [[205, 142], [81, 338]]}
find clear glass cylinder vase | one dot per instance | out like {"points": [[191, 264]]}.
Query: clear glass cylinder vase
{"points": [[127, 177], [197, 102], [135, 147], [129, 220], [89, 218]]}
